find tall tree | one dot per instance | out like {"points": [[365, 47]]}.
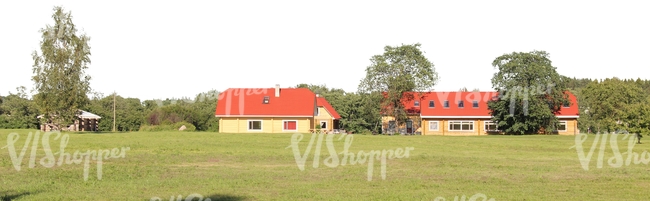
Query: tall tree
{"points": [[638, 117], [532, 92], [400, 69], [59, 70]]}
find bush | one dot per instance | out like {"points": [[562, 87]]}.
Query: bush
{"points": [[168, 127]]}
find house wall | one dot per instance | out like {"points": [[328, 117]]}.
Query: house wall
{"points": [[323, 115], [402, 125], [269, 124], [571, 127], [479, 127], [443, 127]]}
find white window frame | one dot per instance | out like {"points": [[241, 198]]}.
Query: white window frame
{"points": [[416, 103], [461, 125], [565, 126], [317, 111], [486, 123], [326, 124], [248, 124], [284, 121], [437, 125]]}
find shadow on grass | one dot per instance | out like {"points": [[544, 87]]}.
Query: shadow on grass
{"points": [[223, 197], [97, 132], [11, 195], [214, 197]]}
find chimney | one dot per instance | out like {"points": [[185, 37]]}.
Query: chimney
{"points": [[277, 90]]}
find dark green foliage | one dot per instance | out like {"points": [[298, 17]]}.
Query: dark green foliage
{"points": [[17, 111], [532, 92], [168, 127], [198, 111], [129, 113], [359, 112]]}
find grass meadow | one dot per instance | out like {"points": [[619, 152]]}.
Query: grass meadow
{"points": [[225, 166]]}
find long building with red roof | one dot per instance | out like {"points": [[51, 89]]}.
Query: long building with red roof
{"points": [[274, 110], [465, 113]]}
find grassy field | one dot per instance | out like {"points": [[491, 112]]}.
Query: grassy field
{"points": [[261, 167]]}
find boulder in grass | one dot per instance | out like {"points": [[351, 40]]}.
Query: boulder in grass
{"points": [[182, 128]]}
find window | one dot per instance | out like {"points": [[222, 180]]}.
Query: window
{"points": [[417, 104], [431, 103], [475, 104], [565, 104], [561, 126], [433, 126], [391, 124], [289, 125], [254, 125], [461, 125], [461, 104], [266, 100], [446, 103], [490, 126], [323, 124], [317, 111]]}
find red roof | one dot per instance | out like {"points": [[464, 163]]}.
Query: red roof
{"points": [[572, 110], [294, 102], [321, 102], [409, 104], [453, 98], [468, 110]]}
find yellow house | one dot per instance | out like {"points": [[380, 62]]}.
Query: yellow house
{"points": [[466, 113], [273, 110]]}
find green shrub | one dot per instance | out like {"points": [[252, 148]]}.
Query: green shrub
{"points": [[168, 127]]}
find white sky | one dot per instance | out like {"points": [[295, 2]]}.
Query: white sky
{"points": [[164, 49]]}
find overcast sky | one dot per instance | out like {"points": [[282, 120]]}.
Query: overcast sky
{"points": [[164, 49]]}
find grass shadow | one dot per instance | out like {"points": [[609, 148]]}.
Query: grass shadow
{"points": [[224, 197], [11, 195], [214, 197]]}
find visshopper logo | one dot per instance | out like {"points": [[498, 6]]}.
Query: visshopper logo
{"points": [[617, 159], [525, 93], [346, 157], [50, 159], [475, 197], [227, 99]]}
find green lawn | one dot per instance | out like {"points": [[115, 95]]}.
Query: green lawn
{"points": [[260, 167]]}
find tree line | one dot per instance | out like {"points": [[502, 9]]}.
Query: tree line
{"points": [[612, 104], [62, 89]]}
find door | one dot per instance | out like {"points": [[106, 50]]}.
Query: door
{"points": [[409, 127]]}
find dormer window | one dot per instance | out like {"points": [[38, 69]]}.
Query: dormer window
{"points": [[417, 104], [266, 100], [431, 104], [475, 104], [461, 104], [565, 104], [446, 104]]}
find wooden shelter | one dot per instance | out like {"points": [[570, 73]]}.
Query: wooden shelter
{"points": [[85, 121]]}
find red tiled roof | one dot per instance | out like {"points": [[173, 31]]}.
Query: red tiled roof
{"points": [[468, 110], [249, 102], [572, 110], [453, 98], [409, 105], [321, 102]]}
